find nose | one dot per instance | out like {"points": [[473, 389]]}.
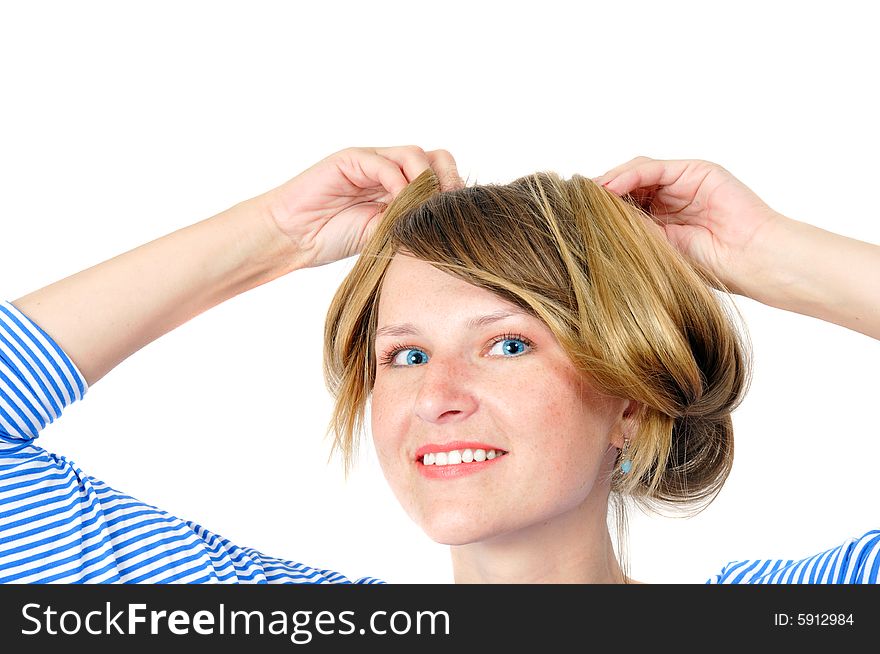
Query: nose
{"points": [[445, 392]]}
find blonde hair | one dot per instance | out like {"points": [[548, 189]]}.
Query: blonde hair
{"points": [[632, 314]]}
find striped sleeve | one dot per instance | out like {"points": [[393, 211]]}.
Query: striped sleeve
{"points": [[59, 525], [37, 379], [856, 561]]}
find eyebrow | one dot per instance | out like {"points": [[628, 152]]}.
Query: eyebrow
{"points": [[408, 329]]}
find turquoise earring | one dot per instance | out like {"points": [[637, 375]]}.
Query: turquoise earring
{"points": [[627, 464]]}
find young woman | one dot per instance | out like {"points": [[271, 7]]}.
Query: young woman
{"points": [[464, 302]]}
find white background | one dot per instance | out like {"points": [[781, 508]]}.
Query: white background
{"points": [[122, 122]]}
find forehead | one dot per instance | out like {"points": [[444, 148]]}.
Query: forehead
{"points": [[411, 284]]}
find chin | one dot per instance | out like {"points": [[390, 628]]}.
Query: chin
{"points": [[457, 529]]}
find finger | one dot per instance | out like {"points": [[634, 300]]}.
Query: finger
{"points": [[381, 170], [411, 159], [644, 197], [614, 172], [444, 165], [644, 174]]}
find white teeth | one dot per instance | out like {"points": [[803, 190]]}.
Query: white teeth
{"points": [[455, 457]]}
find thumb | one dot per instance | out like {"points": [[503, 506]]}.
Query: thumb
{"points": [[452, 179], [373, 223]]}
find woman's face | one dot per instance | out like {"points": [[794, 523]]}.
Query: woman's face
{"points": [[466, 380]]}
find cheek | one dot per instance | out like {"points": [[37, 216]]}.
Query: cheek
{"points": [[565, 427], [552, 408], [387, 426], [381, 411]]}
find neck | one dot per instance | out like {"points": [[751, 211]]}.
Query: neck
{"points": [[573, 547]]}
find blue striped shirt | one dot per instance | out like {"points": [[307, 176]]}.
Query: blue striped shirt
{"points": [[59, 525], [856, 561]]}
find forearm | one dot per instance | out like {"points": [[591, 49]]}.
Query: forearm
{"points": [[105, 313], [818, 273]]}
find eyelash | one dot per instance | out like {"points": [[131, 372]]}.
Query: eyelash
{"points": [[387, 358]]}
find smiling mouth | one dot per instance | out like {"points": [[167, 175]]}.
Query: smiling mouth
{"points": [[459, 457]]}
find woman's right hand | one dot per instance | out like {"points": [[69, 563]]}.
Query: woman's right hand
{"points": [[330, 210], [705, 212]]}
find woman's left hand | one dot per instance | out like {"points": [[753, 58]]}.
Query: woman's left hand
{"points": [[705, 212], [711, 217]]}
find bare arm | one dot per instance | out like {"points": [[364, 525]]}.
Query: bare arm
{"points": [[102, 315], [818, 273]]}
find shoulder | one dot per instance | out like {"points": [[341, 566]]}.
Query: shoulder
{"points": [[855, 561]]}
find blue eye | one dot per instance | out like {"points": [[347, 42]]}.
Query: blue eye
{"points": [[513, 345], [413, 356]]}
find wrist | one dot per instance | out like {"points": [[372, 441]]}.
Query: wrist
{"points": [[773, 271], [266, 249], [785, 266]]}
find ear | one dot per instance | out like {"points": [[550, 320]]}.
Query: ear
{"points": [[626, 424]]}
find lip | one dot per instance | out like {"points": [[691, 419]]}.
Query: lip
{"points": [[458, 470], [433, 448]]}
